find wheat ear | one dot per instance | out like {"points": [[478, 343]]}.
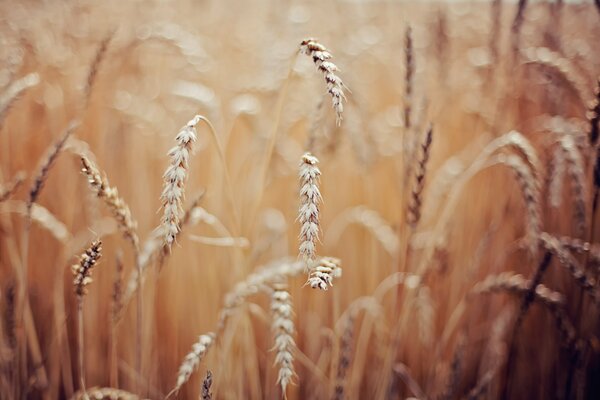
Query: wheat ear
{"points": [[416, 198], [308, 214], [104, 393], [283, 331], [192, 360], [14, 93], [82, 272], [174, 180], [322, 59], [409, 65], [206, 384], [575, 169]]}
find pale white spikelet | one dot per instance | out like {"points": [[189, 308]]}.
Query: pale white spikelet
{"points": [[175, 177], [322, 59], [193, 358], [283, 330], [322, 275], [308, 214]]}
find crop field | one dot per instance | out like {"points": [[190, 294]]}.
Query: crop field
{"points": [[299, 200]]}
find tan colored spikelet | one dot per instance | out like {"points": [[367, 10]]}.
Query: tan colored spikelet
{"points": [[416, 198], [82, 271], [283, 331], [11, 187], [104, 393], [193, 359], [322, 59], [308, 214], [345, 358], [321, 276], [174, 180], [14, 92], [117, 206], [95, 66], [117, 294], [556, 173], [47, 163]]}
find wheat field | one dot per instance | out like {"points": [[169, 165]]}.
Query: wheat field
{"points": [[300, 200]]}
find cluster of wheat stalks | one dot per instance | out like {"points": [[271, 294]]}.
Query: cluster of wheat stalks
{"points": [[455, 168]]}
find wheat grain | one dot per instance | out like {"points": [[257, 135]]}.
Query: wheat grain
{"points": [[322, 59]]}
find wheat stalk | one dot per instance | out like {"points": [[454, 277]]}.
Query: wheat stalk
{"points": [[11, 187], [322, 60]]}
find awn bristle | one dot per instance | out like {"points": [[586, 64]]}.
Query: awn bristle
{"points": [[174, 180], [416, 198], [42, 174], [206, 384], [322, 59], [283, 330], [11, 187], [83, 270], [193, 358], [118, 207], [308, 214], [322, 274]]}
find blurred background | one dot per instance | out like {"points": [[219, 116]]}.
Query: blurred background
{"points": [[447, 306]]}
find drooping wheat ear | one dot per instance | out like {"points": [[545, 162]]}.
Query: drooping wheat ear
{"points": [[14, 92], [531, 196], [117, 206], [308, 214], [322, 59], [345, 358], [11, 187], [594, 116], [409, 65], [587, 283], [581, 247], [83, 270], [95, 66], [416, 198], [206, 384], [104, 393], [192, 360], [553, 301], [175, 177], [554, 61], [283, 331], [371, 220], [49, 159], [575, 169], [323, 273], [41, 216], [117, 294]]}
